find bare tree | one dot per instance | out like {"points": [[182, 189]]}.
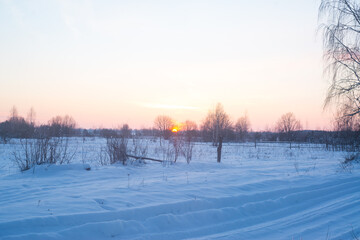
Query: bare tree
{"points": [[288, 124], [189, 128], [342, 122], [163, 124], [217, 122], [31, 117], [62, 126], [69, 122], [207, 127], [125, 131], [242, 127], [347, 130], [13, 113], [341, 33]]}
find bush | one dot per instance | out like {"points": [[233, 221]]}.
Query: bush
{"points": [[42, 151], [139, 147], [187, 151], [351, 157], [116, 150]]}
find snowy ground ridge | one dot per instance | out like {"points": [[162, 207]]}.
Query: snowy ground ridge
{"points": [[206, 218], [255, 193]]}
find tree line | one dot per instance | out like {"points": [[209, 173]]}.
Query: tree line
{"points": [[17, 126], [215, 127], [48, 143]]}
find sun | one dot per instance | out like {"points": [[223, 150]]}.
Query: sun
{"points": [[176, 127]]}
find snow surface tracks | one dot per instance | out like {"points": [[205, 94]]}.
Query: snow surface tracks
{"points": [[271, 210]]}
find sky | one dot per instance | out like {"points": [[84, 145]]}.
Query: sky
{"points": [[107, 63]]}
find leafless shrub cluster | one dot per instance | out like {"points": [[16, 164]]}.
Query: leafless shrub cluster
{"points": [[174, 149], [348, 164], [351, 157], [177, 147], [116, 149], [187, 151], [42, 151], [119, 150], [138, 147], [103, 156], [166, 153]]}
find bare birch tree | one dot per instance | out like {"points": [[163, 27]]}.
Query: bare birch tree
{"points": [[341, 37]]}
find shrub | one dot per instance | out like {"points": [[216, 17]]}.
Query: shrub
{"points": [[42, 151], [116, 149], [187, 151]]}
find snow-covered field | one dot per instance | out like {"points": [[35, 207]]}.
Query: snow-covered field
{"points": [[268, 192]]}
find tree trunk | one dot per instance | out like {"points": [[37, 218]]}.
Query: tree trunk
{"points": [[219, 149]]}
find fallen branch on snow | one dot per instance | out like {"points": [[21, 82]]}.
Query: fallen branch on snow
{"points": [[144, 158]]}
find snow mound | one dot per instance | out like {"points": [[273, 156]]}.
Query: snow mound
{"points": [[55, 168]]}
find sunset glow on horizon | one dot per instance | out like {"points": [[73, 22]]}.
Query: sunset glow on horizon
{"points": [[115, 62]]}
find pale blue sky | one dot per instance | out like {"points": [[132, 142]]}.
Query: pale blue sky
{"points": [[110, 62]]}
